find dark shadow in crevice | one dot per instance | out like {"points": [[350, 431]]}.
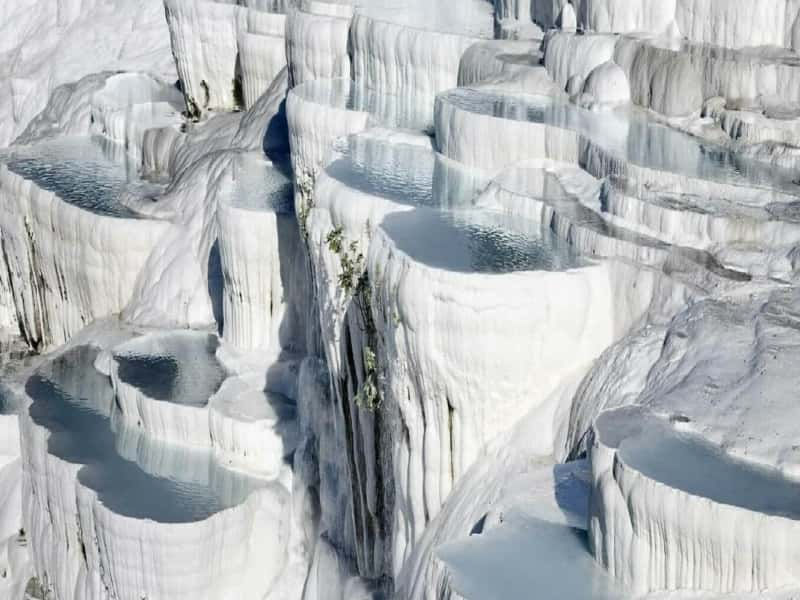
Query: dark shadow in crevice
{"points": [[216, 284]]}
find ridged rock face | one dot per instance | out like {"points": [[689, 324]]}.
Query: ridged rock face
{"points": [[260, 258], [261, 57], [324, 316], [673, 76], [204, 42], [796, 34], [658, 526], [255, 308], [568, 21], [68, 265], [316, 45], [392, 59], [735, 24], [226, 54], [721, 23], [619, 16], [675, 89], [568, 55]]}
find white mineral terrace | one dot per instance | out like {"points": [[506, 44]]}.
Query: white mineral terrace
{"points": [[552, 530], [260, 255], [163, 383], [399, 299], [102, 497], [655, 486], [473, 19], [623, 142], [65, 224]]}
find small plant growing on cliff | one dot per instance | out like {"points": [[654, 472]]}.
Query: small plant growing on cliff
{"points": [[305, 190], [368, 396], [334, 240], [353, 280], [37, 590], [352, 277]]}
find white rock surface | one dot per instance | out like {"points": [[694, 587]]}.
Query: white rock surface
{"points": [[607, 86], [261, 57], [82, 525], [392, 58], [498, 60], [163, 382], [204, 42], [446, 385], [261, 259], [361, 387], [567, 55], [226, 53], [69, 264], [316, 41], [568, 20], [252, 428], [48, 44], [671, 511]]}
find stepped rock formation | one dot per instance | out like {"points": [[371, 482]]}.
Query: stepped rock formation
{"points": [[414, 299]]}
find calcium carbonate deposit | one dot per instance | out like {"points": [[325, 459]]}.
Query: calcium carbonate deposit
{"points": [[399, 299]]}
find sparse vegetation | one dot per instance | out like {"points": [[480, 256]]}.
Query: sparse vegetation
{"points": [[305, 189], [353, 277], [36, 590], [368, 395], [353, 280]]}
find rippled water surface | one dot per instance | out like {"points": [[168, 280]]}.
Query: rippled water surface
{"points": [[87, 172], [478, 242], [180, 368], [261, 186], [402, 173]]}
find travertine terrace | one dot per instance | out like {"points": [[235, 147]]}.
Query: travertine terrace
{"points": [[413, 299]]}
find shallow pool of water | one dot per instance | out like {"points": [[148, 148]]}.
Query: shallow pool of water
{"points": [[407, 173], [631, 136], [473, 241], [689, 463], [88, 172], [181, 368], [399, 172], [260, 186], [166, 484]]}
